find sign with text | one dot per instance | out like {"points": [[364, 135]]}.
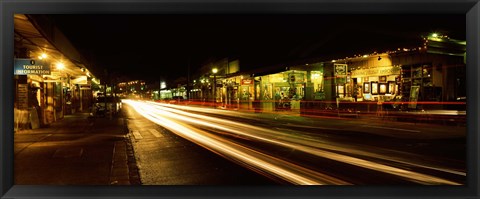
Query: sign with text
{"points": [[22, 94], [296, 78], [80, 80], [340, 69], [31, 67], [379, 71], [246, 81]]}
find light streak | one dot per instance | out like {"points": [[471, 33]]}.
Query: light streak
{"points": [[159, 113]]}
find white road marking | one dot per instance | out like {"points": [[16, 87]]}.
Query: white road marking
{"points": [[155, 133], [137, 135]]}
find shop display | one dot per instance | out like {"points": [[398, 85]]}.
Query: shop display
{"points": [[391, 87], [383, 88], [366, 87], [374, 88]]}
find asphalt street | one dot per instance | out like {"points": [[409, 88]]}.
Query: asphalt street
{"points": [[302, 150]]}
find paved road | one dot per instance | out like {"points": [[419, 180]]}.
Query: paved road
{"points": [[301, 150], [164, 158]]}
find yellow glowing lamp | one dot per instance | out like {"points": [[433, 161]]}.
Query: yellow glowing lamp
{"points": [[60, 66]]}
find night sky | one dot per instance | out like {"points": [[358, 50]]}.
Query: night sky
{"points": [[152, 46]]}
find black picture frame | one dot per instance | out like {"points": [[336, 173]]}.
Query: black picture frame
{"points": [[366, 87], [391, 87], [471, 9], [374, 89], [382, 88]]}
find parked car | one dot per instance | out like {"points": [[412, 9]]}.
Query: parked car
{"points": [[114, 104]]}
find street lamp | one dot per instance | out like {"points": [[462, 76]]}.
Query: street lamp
{"points": [[60, 66], [42, 56], [214, 71]]}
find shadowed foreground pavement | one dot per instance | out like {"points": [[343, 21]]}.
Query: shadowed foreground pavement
{"points": [[77, 150]]}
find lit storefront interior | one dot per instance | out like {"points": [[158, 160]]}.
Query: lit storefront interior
{"points": [[370, 78], [432, 73]]}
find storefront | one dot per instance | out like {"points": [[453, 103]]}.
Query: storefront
{"points": [[230, 95], [47, 85], [377, 83], [282, 91], [409, 76], [246, 92]]}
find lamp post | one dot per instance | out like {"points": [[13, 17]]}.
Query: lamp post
{"points": [[214, 71]]}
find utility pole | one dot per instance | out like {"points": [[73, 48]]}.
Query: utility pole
{"points": [[214, 71]]}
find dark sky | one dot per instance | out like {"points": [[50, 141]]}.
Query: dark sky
{"points": [[152, 46]]}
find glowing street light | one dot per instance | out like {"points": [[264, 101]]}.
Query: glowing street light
{"points": [[60, 66], [42, 56]]}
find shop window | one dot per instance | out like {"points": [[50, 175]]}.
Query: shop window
{"points": [[267, 92], [417, 72], [417, 82], [340, 88], [317, 80], [427, 71], [427, 82]]}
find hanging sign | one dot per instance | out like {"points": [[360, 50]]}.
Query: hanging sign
{"points": [[246, 81], [340, 69], [31, 67], [80, 80], [378, 71], [296, 78]]}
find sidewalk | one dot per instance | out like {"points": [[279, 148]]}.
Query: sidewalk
{"points": [[76, 150]]}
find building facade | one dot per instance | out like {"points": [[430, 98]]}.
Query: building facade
{"points": [[48, 85]]}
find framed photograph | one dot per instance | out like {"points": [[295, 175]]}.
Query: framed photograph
{"points": [[374, 88], [391, 87], [366, 87], [382, 88], [382, 79]]}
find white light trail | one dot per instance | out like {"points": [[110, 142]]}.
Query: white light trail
{"points": [[179, 121]]}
